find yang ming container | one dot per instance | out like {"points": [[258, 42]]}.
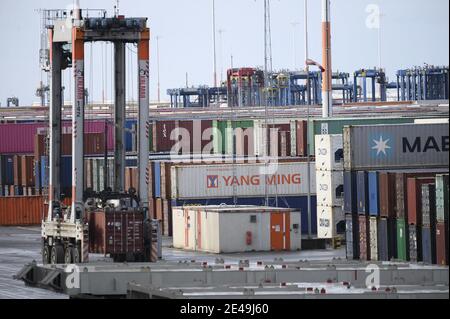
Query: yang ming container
{"points": [[362, 193], [396, 146]]}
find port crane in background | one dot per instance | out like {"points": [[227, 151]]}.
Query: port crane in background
{"points": [[68, 231]]}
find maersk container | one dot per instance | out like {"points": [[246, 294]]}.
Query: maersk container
{"points": [[396, 146], [243, 180], [362, 193], [402, 239], [429, 245], [330, 188], [329, 153], [442, 198], [336, 125], [374, 198], [350, 196], [294, 202]]}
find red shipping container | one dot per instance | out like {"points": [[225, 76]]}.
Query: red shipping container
{"points": [[442, 242], [21, 211], [302, 143], [414, 195], [387, 195]]}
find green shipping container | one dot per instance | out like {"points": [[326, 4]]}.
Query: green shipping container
{"points": [[402, 239], [223, 144], [336, 126], [442, 192]]}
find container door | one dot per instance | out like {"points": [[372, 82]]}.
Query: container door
{"points": [[276, 231]]}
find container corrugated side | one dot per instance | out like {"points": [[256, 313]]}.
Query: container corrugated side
{"points": [[442, 197], [21, 211], [442, 242], [396, 146], [244, 180]]}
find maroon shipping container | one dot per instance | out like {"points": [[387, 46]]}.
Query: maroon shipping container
{"points": [[414, 195], [116, 232], [302, 143], [20, 138], [17, 167], [283, 139], [442, 242], [162, 131], [364, 238], [387, 195], [27, 163]]}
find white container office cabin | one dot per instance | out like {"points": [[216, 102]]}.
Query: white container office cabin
{"points": [[234, 229]]}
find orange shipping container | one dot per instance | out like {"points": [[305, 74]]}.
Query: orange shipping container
{"points": [[21, 211]]}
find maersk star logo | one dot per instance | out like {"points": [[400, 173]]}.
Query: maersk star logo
{"points": [[381, 146]]}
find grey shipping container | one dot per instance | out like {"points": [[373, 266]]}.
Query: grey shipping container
{"points": [[428, 205], [442, 200], [396, 146], [352, 236], [429, 245], [383, 245], [415, 243]]}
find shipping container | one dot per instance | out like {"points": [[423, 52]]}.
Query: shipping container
{"points": [[329, 152], [414, 198], [373, 236], [364, 238], [442, 198], [415, 243], [327, 221], [429, 205], [362, 188], [44, 171], [66, 172], [299, 203], [21, 211], [352, 236], [442, 242], [236, 229], [396, 146], [350, 193], [157, 179], [383, 240], [387, 195], [166, 221], [374, 198], [301, 145], [242, 180], [27, 166], [330, 188], [7, 168], [429, 245], [117, 233], [402, 240], [17, 166], [401, 195], [336, 125]]}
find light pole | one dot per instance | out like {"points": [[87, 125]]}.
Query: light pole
{"points": [[214, 42], [157, 63]]}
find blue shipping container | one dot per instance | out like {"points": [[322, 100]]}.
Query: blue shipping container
{"points": [[429, 245], [44, 171], [66, 172], [129, 134], [350, 200], [297, 203], [362, 193], [7, 168], [157, 179], [374, 199]]}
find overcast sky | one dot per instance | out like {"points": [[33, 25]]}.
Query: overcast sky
{"points": [[413, 32]]}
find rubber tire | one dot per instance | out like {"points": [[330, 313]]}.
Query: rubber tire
{"points": [[75, 255], [45, 254], [57, 254], [68, 256]]}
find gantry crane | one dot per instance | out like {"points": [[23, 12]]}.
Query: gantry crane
{"points": [[65, 230]]}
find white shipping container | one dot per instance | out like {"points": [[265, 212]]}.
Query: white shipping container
{"points": [[373, 227], [217, 229], [329, 152], [293, 138], [328, 219], [330, 188], [243, 180]]}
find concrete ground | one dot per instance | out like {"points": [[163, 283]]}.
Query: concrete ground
{"points": [[21, 245]]}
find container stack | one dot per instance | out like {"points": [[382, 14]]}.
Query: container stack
{"points": [[161, 194], [329, 184]]}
